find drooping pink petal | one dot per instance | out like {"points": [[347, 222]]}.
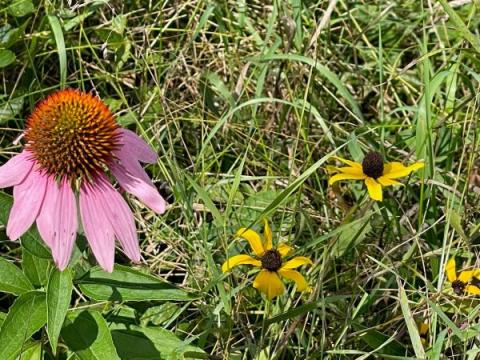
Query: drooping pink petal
{"points": [[137, 147], [135, 184], [98, 230], [57, 221], [45, 219], [15, 170], [27, 200], [121, 219]]}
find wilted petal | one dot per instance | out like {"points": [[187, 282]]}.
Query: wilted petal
{"points": [[27, 200], [96, 225], [136, 146], [15, 170], [144, 191]]}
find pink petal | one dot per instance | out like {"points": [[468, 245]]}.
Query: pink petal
{"points": [[57, 221], [121, 218], [98, 230], [134, 145], [15, 170], [27, 200], [135, 184]]}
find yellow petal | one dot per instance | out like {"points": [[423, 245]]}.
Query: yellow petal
{"points": [[374, 189], [284, 249], [395, 170], [339, 177], [331, 169], [472, 289], [349, 162], [240, 260], [466, 276], [296, 262], [253, 239], [269, 283], [294, 275], [350, 170], [267, 234], [388, 182], [450, 270]]}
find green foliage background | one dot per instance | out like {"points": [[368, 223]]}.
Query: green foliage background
{"points": [[246, 101]]}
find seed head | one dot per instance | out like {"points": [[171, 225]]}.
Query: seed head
{"points": [[271, 260], [72, 134], [372, 165]]}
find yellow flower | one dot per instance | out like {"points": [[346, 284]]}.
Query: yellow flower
{"points": [[270, 260], [374, 171], [462, 283]]}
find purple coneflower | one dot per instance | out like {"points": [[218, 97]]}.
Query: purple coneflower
{"points": [[72, 139]]}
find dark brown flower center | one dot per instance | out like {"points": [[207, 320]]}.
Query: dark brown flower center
{"points": [[372, 165], [272, 260], [72, 134], [458, 287]]}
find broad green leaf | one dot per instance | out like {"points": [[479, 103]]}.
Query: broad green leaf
{"points": [[35, 268], [6, 57], [59, 292], [385, 344], [152, 343], [12, 279], [34, 244], [126, 284], [27, 315], [20, 8], [32, 351], [86, 334]]}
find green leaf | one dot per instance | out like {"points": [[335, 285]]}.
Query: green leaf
{"points": [[151, 343], [36, 269], [21, 8], [86, 334], [12, 279], [27, 315], [6, 57], [126, 284], [411, 325], [59, 293], [351, 234], [460, 25], [31, 240], [62, 52], [32, 351]]}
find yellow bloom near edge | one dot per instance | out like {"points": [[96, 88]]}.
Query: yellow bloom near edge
{"points": [[270, 260], [373, 171]]}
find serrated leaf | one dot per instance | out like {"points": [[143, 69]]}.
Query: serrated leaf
{"points": [[126, 284], [59, 293], [6, 57], [12, 279], [27, 315], [86, 334], [152, 343]]}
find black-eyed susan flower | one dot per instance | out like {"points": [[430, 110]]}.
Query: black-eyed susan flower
{"points": [[465, 280], [374, 171], [271, 261]]}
